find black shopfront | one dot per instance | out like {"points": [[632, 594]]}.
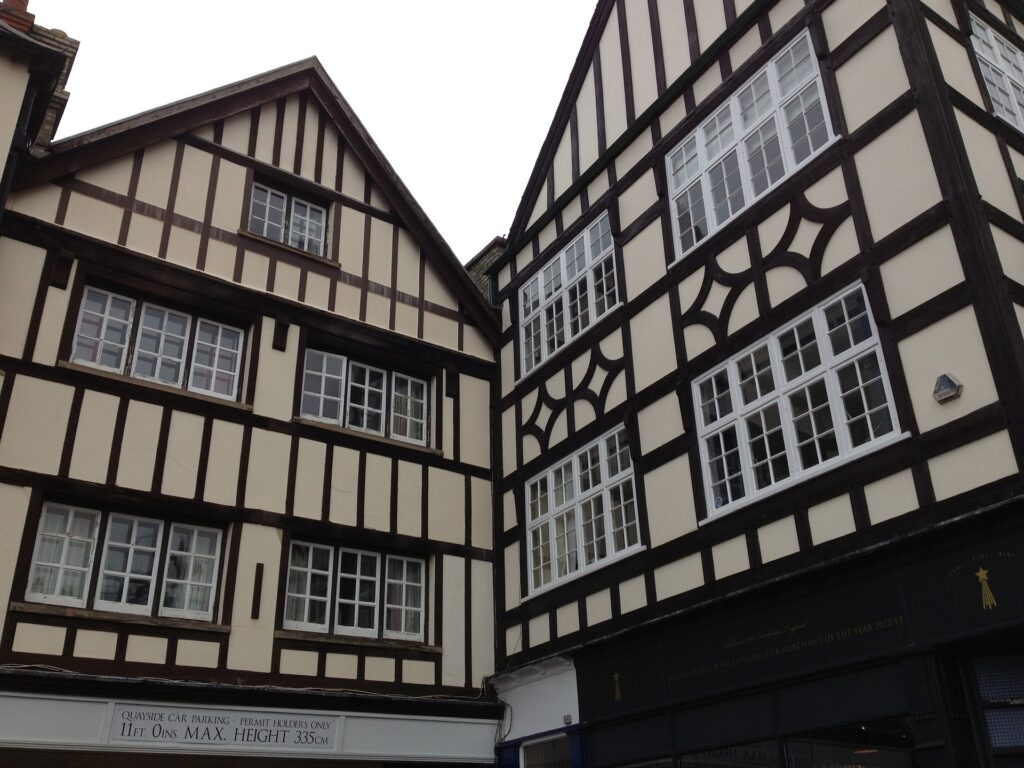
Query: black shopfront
{"points": [[909, 657]]}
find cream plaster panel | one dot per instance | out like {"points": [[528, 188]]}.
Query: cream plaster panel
{"points": [[508, 504], [289, 133], [342, 665], [298, 662], [14, 502], [379, 669], [91, 644], [330, 154], [649, 331], [611, 345], [286, 281], [944, 8], [307, 160], [265, 132], [512, 597], [353, 181], [745, 310], [155, 175], [378, 199], [446, 516], [829, 191], [482, 610], [842, 19], [381, 244], [955, 62], [418, 672], [38, 638], [730, 557], [640, 196], [567, 619], [275, 385], [222, 467], [193, 183], [440, 330], [235, 134], [508, 440], [408, 263], [989, 170], [37, 421], [783, 12], [597, 187], [611, 77], [251, 643], [697, 338], [14, 79], [181, 464], [562, 163], [114, 175], [1019, 311], [540, 630], [40, 202], [891, 497], [21, 266], [51, 324], [673, 115], [710, 22], [90, 457], [525, 256], [447, 420], [673, 38], [921, 272], [410, 499], [436, 290], [586, 115], [572, 211], [638, 27], [144, 234], [347, 302], [803, 240], [973, 465], [841, 247], [350, 253], [745, 47], [546, 236], [660, 422], [632, 594], [952, 345], [897, 177], [474, 422], [771, 230], [778, 539], [255, 268], [453, 622], [407, 319], [1011, 254], [579, 368], [378, 310], [183, 248], [599, 607], [480, 499], [678, 577], [831, 519], [196, 653], [706, 84], [377, 501], [318, 290], [514, 639], [309, 479], [267, 478], [734, 258], [783, 282], [689, 290], [560, 427], [138, 446], [1017, 160], [638, 149], [143, 649]]}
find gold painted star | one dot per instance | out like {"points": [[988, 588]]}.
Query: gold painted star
{"points": [[982, 574]]}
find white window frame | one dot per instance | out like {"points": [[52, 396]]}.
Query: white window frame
{"points": [[288, 225], [343, 391], [424, 422], [420, 609], [129, 331], [557, 271], [1002, 61], [163, 336], [236, 375], [184, 613], [546, 521], [357, 631], [827, 369], [309, 570], [121, 606], [57, 598], [700, 176], [365, 407]]}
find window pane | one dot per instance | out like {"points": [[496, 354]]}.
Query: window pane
{"points": [[104, 325], [764, 155], [724, 467], [690, 217], [806, 121], [726, 188]]}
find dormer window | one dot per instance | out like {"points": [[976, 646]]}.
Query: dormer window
{"points": [[287, 219]]}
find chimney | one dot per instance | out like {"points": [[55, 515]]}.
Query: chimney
{"points": [[15, 14]]}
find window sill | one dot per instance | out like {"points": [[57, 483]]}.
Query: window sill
{"points": [[146, 384], [635, 549], [247, 235], [821, 469], [194, 625], [365, 435], [355, 640]]}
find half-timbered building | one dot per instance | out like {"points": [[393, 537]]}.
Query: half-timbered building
{"points": [[759, 421], [245, 469]]}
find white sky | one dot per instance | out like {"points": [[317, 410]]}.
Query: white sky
{"points": [[458, 94]]}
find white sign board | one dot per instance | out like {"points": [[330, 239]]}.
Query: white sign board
{"points": [[143, 724]]}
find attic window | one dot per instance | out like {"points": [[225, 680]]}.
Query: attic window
{"points": [[287, 219]]}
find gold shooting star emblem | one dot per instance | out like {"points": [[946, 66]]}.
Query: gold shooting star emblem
{"points": [[618, 690], [988, 600]]}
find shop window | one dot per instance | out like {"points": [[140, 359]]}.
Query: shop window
{"points": [[807, 398], [70, 553], [1001, 691], [122, 335], [553, 753]]}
